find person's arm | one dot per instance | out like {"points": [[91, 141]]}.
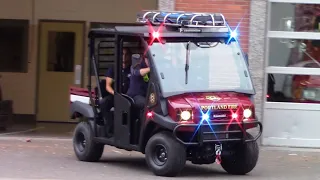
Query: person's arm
{"points": [[144, 71], [140, 71], [109, 88], [109, 81]]}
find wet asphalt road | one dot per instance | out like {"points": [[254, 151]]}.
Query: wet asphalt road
{"points": [[54, 159]]}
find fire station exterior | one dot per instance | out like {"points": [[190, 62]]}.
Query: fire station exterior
{"points": [[38, 36], [43, 40], [44, 47]]}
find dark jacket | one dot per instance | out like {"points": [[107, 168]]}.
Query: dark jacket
{"points": [[138, 86], [125, 78]]}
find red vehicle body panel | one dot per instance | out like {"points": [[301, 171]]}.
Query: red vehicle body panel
{"points": [[80, 92], [229, 102], [224, 102]]}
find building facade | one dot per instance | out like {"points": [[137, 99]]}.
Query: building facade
{"points": [[235, 11], [41, 41], [291, 110]]}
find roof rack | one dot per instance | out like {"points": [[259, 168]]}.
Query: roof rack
{"points": [[182, 19]]}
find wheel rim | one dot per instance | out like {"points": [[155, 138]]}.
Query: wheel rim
{"points": [[160, 155], [80, 141]]}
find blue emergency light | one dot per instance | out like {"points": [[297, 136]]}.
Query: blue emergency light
{"points": [[234, 34], [186, 21]]}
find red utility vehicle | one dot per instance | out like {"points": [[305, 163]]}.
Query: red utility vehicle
{"points": [[199, 102]]}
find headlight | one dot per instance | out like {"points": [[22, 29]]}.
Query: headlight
{"points": [[185, 115], [247, 113]]}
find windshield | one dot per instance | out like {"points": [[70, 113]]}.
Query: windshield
{"points": [[211, 68]]}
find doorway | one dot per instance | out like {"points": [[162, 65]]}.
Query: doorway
{"points": [[61, 47]]}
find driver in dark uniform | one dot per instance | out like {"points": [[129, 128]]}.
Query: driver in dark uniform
{"points": [[139, 80], [109, 103]]}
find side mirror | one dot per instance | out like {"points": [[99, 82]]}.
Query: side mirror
{"points": [[246, 58]]}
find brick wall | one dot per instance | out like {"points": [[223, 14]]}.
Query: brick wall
{"points": [[233, 10]]}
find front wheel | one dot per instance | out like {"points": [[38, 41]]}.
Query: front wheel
{"points": [[84, 146], [243, 160], [165, 156]]}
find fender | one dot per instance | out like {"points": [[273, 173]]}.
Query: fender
{"points": [[81, 108]]}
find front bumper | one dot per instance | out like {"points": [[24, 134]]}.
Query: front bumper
{"points": [[218, 133]]}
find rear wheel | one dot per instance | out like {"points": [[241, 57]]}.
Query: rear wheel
{"points": [[84, 146], [165, 156], [243, 160]]}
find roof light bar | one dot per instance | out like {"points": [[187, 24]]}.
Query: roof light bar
{"points": [[184, 19]]}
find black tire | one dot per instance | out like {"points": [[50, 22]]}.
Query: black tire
{"points": [[175, 158], [89, 150], [243, 160]]}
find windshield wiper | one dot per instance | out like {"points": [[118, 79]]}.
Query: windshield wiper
{"points": [[187, 62]]}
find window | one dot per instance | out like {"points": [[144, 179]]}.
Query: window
{"points": [[293, 72], [13, 45], [293, 52], [296, 88], [295, 17], [219, 67], [105, 47], [292, 75], [104, 50], [61, 51]]}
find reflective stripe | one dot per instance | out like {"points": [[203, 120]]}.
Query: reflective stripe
{"points": [[82, 99]]}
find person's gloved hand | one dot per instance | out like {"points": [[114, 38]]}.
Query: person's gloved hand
{"points": [[146, 78]]}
